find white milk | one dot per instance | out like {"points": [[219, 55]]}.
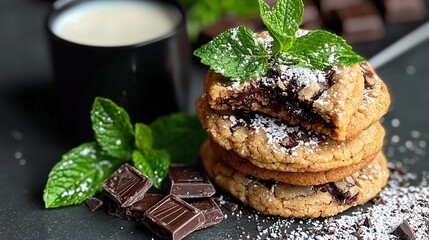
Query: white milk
{"points": [[116, 23]]}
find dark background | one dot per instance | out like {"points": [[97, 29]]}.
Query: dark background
{"points": [[33, 135]]}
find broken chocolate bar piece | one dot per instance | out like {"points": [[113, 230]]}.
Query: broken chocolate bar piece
{"points": [[212, 213], [360, 22], [189, 182], [134, 212], [404, 231], [93, 204], [173, 218], [404, 11], [113, 209], [127, 185]]}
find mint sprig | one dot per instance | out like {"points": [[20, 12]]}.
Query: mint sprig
{"points": [[235, 54], [79, 173], [180, 134], [229, 55], [112, 128], [320, 49], [282, 22], [151, 162]]}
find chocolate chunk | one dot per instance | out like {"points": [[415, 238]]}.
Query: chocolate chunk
{"points": [[189, 182], [367, 222], [149, 200], [404, 11], [212, 213], [340, 196], [127, 185], [113, 209], [404, 231], [230, 206], [134, 212], [360, 22], [94, 204], [378, 200], [173, 218], [358, 235]]}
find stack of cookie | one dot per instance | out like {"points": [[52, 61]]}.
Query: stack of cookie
{"points": [[296, 142]]}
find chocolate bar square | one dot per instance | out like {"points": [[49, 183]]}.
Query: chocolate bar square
{"points": [[189, 182], [136, 211], [173, 218], [404, 10], [127, 185], [212, 213]]}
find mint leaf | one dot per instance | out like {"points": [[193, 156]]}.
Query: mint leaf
{"points": [[180, 134], [159, 160], [141, 163], [78, 175], [320, 49], [153, 163], [282, 22], [200, 14], [235, 54], [112, 127], [240, 8], [143, 137]]}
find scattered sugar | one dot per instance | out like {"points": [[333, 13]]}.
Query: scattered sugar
{"points": [[395, 122], [18, 155], [22, 162], [17, 135], [375, 222], [411, 70], [405, 197]]}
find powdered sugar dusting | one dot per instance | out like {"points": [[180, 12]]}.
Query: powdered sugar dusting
{"points": [[376, 222], [277, 133]]}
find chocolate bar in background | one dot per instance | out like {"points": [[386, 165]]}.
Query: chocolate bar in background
{"points": [[173, 218], [189, 182], [404, 10], [360, 22], [355, 20], [328, 7], [126, 185], [212, 213]]}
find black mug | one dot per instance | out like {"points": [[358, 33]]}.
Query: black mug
{"points": [[148, 78]]}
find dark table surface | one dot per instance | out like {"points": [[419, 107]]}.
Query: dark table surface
{"points": [[33, 137]]}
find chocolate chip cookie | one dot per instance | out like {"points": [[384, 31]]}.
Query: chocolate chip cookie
{"points": [[240, 164], [325, 101], [274, 144], [276, 198]]}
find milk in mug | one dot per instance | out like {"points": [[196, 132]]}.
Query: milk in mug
{"points": [[110, 23]]}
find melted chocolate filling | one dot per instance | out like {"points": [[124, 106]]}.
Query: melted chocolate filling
{"points": [[366, 73], [277, 99], [338, 196]]}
